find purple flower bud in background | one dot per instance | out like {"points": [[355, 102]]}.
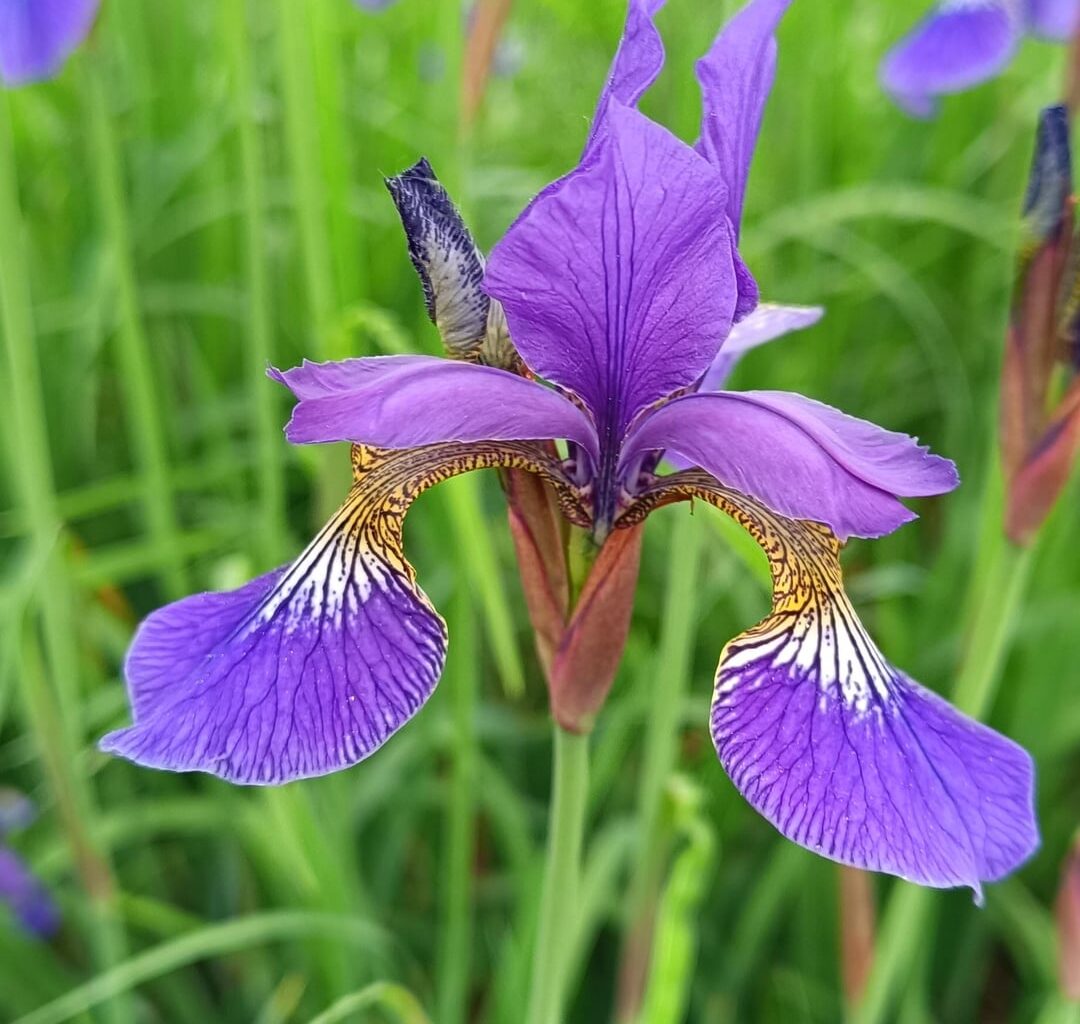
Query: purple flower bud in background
{"points": [[374, 5], [37, 36], [25, 896], [1067, 912], [962, 43], [1040, 381]]}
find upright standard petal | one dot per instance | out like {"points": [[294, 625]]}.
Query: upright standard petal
{"points": [[638, 61], [406, 401], [37, 36], [619, 284], [959, 44], [736, 76], [310, 668], [800, 458], [1052, 19], [766, 323], [843, 753]]}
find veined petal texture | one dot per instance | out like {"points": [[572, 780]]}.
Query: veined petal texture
{"points": [[799, 457], [309, 668], [842, 752], [619, 283], [407, 401]]}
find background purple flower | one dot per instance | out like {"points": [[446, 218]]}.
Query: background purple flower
{"points": [[25, 896], [37, 36], [962, 43]]}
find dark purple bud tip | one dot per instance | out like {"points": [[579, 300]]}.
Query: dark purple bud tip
{"points": [[1050, 184]]}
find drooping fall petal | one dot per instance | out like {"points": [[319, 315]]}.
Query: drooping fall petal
{"points": [[801, 458], [309, 668], [843, 753]]}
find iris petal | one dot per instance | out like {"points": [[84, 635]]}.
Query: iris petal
{"points": [[37, 36], [801, 458], [766, 323], [637, 63], [1052, 19], [959, 44], [842, 752], [619, 284], [406, 401], [736, 76], [309, 668]]}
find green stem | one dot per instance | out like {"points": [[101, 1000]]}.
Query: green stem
{"points": [[144, 420], [992, 626], [1000, 582], [455, 936], [301, 140], [562, 877], [51, 709], [661, 748], [272, 537]]}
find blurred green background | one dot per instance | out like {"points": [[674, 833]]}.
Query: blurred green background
{"points": [[199, 193]]}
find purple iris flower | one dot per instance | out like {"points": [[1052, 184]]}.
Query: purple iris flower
{"points": [[598, 317], [962, 43], [37, 36], [25, 897]]}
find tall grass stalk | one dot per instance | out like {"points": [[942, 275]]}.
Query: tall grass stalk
{"points": [[301, 121], [456, 932], [672, 671], [52, 706], [272, 538], [562, 878], [143, 406]]}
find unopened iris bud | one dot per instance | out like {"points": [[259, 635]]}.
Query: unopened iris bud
{"points": [[1040, 404], [1068, 925]]}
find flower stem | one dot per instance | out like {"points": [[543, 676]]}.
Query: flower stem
{"points": [[661, 752], [562, 871], [144, 408]]}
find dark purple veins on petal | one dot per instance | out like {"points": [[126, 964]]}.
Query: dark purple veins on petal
{"points": [[843, 753], [619, 284], [301, 672]]}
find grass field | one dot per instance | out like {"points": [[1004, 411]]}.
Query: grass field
{"points": [[200, 193]]}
